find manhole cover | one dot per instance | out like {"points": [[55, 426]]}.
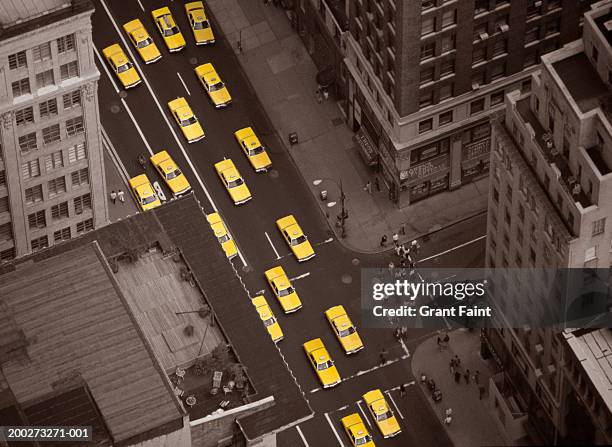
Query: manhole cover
{"points": [[273, 173], [193, 60], [347, 278], [355, 261], [115, 108], [123, 94]]}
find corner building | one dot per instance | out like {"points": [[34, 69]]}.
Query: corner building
{"points": [[550, 206], [52, 184], [425, 76]]}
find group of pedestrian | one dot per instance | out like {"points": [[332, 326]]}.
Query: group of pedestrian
{"points": [[117, 195], [368, 186], [443, 342], [458, 372]]}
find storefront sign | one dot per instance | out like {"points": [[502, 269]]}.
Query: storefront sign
{"points": [[366, 148], [475, 150], [425, 169]]}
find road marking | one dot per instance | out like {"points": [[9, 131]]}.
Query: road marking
{"points": [[405, 348], [326, 241], [334, 430], [388, 393], [304, 275], [342, 408], [364, 415], [127, 108], [299, 430], [452, 249], [273, 248], [315, 390], [140, 4], [183, 82], [161, 110], [108, 144]]}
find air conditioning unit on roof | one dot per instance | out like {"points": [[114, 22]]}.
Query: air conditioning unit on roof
{"points": [[503, 27], [483, 36]]}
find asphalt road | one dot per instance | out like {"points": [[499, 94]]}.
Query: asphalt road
{"points": [[332, 277]]}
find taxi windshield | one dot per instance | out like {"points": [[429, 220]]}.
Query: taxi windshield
{"points": [[201, 25], [174, 174], [269, 322], [224, 238], [217, 86], [363, 440], [124, 67], [285, 292], [298, 240], [144, 43], [149, 199], [235, 183], [346, 332], [189, 121], [256, 150], [384, 416], [324, 366]]}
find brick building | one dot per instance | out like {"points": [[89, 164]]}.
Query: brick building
{"points": [[550, 207], [51, 167]]}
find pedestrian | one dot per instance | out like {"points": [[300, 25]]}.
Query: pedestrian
{"points": [[446, 339], [383, 357], [391, 265], [319, 96], [383, 240], [457, 376], [448, 420], [121, 196], [481, 392], [368, 187], [396, 239], [477, 377], [466, 376], [376, 184], [414, 245], [452, 366], [457, 360], [403, 230], [438, 341], [448, 412], [402, 390], [398, 250], [113, 196]]}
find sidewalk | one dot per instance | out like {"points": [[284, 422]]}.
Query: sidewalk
{"points": [[472, 422], [283, 76], [117, 210]]}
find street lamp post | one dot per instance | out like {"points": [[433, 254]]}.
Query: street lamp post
{"points": [[343, 213]]}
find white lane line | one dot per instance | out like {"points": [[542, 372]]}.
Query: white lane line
{"points": [[272, 245], [163, 114], [183, 82], [397, 410], [363, 413], [304, 275], [334, 430], [452, 249], [326, 241], [405, 348], [127, 108], [299, 430], [140, 4], [315, 390]]}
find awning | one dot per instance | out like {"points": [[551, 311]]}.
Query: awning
{"points": [[366, 148]]}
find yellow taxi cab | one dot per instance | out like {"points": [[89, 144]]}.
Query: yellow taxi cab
{"points": [[381, 413], [253, 149], [217, 92], [295, 238], [283, 290], [223, 236], [142, 41], [121, 65], [172, 175], [168, 29], [268, 318], [144, 192], [233, 182], [322, 363], [356, 431], [187, 121], [202, 32], [344, 329]]}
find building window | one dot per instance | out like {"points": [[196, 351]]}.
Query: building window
{"points": [[42, 52], [59, 211], [449, 18], [497, 98], [82, 203], [69, 70], [553, 27], [480, 30], [498, 71], [44, 79], [8, 254], [80, 177], [427, 4], [445, 118], [481, 6], [65, 43], [553, 4], [427, 50], [51, 134], [28, 142], [40, 243], [57, 186], [447, 67], [30, 169], [532, 33], [72, 99], [4, 204], [37, 220], [18, 60], [21, 87], [599, 226], [495, 195], [447, 43], [428, 25], [74, 126], [595, 54], [476, 106], [479, 54], [426, 125], [34, 194], [427, 75], [446, 91], [86, 225], [48, 108], [24, 116], [426, 99], [61, 235], [76, 153], [54, 161], [534, 9], [500, 47], [531, 59], [3, 178]]}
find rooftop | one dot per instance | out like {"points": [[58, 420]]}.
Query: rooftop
{"points": [[604, 23], [595, 155]]}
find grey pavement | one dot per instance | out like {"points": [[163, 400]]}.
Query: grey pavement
{"points": [[117, 210], [472, 421], [283, 75]]}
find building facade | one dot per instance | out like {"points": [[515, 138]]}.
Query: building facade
{"points": [[52, 183], [550, 206]]}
